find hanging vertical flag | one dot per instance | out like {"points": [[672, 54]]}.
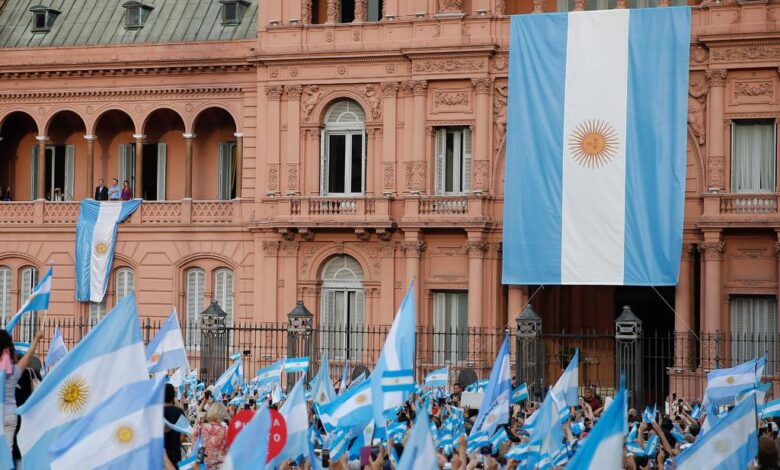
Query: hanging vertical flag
{"points": [[38, 300], [596, 162], [95, 240], [397, 354], [495, 403], [108, 358], [166, 350], [124, 431], [57, 349]]}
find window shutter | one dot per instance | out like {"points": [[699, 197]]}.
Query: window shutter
{"points": [[738, 328], [223, 170], [29, 279], [441, 150], [195, 293], [466, 168], [70, 159], [127, 164], [34, 173], [162, 159], [223, 288], [357, 324], [326, 323], [5, 293], [323, 163], [461, 322], [439, 326], [124, 282]]}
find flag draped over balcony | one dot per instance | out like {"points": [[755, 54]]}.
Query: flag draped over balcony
{"points": [[95, 240], [596, 147]]}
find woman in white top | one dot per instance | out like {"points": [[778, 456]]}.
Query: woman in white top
{"points": [[7, 357]]}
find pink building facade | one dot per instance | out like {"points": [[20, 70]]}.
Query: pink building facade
{"points": [[337, 151]]}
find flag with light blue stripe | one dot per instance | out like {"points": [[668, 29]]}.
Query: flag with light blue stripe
{"points": [[57, 349], [296, 364], [397, 381], [596, 163], [438, 378], [520, 393], [6, 459], [38, 300], [771, 409]]}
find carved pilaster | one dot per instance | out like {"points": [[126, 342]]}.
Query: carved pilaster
{"points": [[387, 249], [579, 5], [420, 87], [390, 89], [481, 85], [374, 100], [271, 248], [306, 11], [712, 251], [500, 7], [290, 248], [415, 175], [413, 249], [407, 88], [360, 11], [332, 11], [621, 4], [538, 6], [450, 6], [476, 249], [274, 92], [293, 92], [716, 164], [716, 77], [687, 252]]}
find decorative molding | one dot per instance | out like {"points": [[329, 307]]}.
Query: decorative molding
{"points": [[450, 277], [130, 93], [306, 11], [360, 11], [311, 96], [415, 175], [271, 248], [387, 249], [452, 101], [697, 105], [290, 248], [127, 71], [481, 85], [687, 252], [390, 89], [745, 53], [413, 249], [450, 6], [273, 177], [293, 92], [274, 92], [500, 7], [481, 175], [716, 165], [753, 90], [712, 251], [388, 175], [448, 65], [292, 177], [374, 99], [420, 87], [716, 78], [476, 249], [332, 11]]}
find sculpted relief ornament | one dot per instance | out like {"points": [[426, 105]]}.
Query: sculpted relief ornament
{"points": [[697, 101], [374, 100], [450, 6], [311, 96]]}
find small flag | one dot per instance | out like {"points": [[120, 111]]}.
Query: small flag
{"points": [[723, 385], [182, 425], [247, 451], [520, 393], [296, 364], [38, 300], [397, 381], [649, 415], [57, 349], [270, 374], [438, 378], [419, 452], [565, 388], [338, 443], [352, 409], [166, 350], [771, 409], [499, 437]]}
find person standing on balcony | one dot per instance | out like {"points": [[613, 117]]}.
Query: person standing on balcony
{"points": [[7, 194], [114, 192], [127, 191], [101, 191]]}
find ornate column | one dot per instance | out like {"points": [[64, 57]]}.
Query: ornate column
{"points": [[293, 154], [418, 171], [41, 139], [270, 285], [407, 152], [480, 153], [274, 94], [716, 159], [712, 252], [139, 165], [289, 274], [306, 11], [239, 162], [333, 11], [390, 93], [476, 249], [188, 138], [683, 300], [413, 248], [360, 11], [90, 163]]}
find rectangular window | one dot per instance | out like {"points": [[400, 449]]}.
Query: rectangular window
{"points": [[127, 164], [453, 160], [194, 300], [59, 172], [5, 293], [450, 326], [754, 330], [29, 279], [226, 171], [753, 156]]}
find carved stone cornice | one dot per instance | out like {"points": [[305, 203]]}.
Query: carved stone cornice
{"points": [[127, 71], [293, 92], [290, 248], [407, 88], [274, 92], [420, 87], [271, 248], [476, 249], [481, 85], [687, 252], [712, 251], [390, 88], [120, 93], [387, 249], [413, 249], [716, 78]]}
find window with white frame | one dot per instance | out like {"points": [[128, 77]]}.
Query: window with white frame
{"points": [[343, 150], [223, 292], [450, 326], [453, 160], [125, 283], [753, 156], [754, 330], [5, 293], [342, 308], [196, 280], [27, 281]]}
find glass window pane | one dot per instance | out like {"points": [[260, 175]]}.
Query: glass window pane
{"points": [[336, 163], [449, 163], [357, 164], [753, 156]]}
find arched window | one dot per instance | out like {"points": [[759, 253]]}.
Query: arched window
{"points": [[125, 283], [342, 312], [27, 281], [343, 161], [223, 292], [196, 280], [5, 293]]}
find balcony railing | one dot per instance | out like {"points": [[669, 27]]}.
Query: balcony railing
{"points": [[331, 208], [182, 212], [748, 204]]}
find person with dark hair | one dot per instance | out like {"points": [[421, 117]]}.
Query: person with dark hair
{"points": [[14, 371], [31, 376], [172, 413], [767, 454], [127, 191]]}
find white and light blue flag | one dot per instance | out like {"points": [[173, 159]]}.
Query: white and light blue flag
{"points": [[111, 356], [249, 450], [38, 300], [351, 410], [520, 393], [296, 364], [419, 451], [771, 409], [397, 354], [594, 160], [603, 449], [124, 431], [296, 417], [731, 443], [166, 350], [438, 378], [231, 379], [723, 385], [495, 404], [270, 374], [57, 349], [181, 425], [95, 241], [398, 381], [546, 436], [565, 388], [321, 387], [6, 459]]}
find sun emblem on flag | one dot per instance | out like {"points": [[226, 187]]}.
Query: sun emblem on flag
{"points": [[73, 395], [593, 143], [155, 357], [361, 398], [124, 434], [721, 447], [101, 248], [730, 380]]}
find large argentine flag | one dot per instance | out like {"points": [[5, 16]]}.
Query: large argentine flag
{"points": [[595, 148], [95, 237], [108, 358]]}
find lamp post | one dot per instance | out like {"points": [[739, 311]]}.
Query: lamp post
{"points": [[628, 349], [300, 323], [213, 342], [530, 351]]}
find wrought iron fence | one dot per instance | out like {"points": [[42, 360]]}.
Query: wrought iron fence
{"points": [[663, 363]]}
